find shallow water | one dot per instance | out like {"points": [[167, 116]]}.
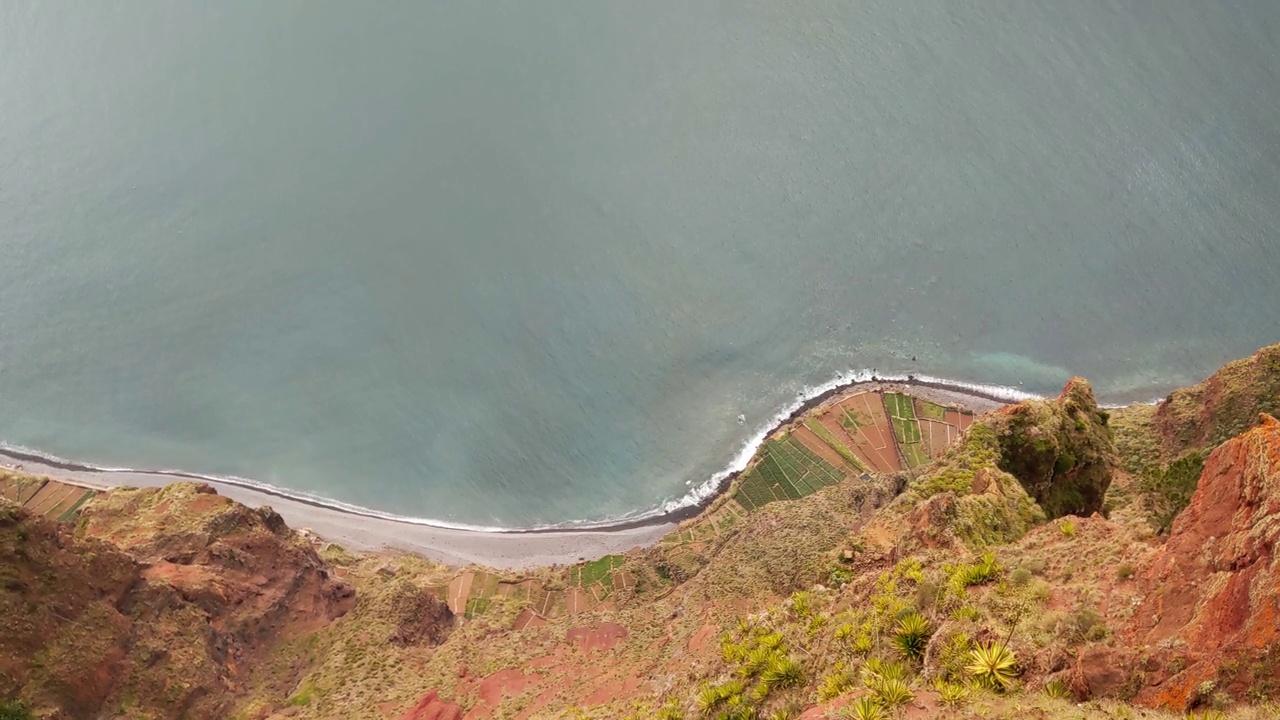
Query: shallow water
{"points": [[517, 263]]}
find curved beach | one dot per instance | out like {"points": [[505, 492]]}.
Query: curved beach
{"points": [[516, 548]]}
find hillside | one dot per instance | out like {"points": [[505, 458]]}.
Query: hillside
{"points": [[885, 555]]}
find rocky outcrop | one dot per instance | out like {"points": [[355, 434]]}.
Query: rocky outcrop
{"points": [[419, 617], [1212, 596], [1223, 406], [1060, 450], [156, 605], [431, 707]]}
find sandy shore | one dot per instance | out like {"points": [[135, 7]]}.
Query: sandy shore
{"points": [[514, 550], [522, 549]]}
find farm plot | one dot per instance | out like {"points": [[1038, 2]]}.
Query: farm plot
{"points": [[906, 429], [18, 488], [863, 418], [786, 470]]}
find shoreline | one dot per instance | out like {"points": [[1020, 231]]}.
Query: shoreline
{"points": [[365, 529]]}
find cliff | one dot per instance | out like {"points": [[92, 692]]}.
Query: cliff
{"points": [[883, 557]]}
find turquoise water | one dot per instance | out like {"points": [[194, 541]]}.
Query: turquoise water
{"points": [[509, 263]]}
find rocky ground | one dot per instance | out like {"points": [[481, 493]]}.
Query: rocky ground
{"points": [[1059, 561]]}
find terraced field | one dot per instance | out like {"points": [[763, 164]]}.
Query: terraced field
{"points": [[42, 496], [862, 432]]}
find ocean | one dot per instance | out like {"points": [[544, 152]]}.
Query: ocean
{"points": [[512, 264]]}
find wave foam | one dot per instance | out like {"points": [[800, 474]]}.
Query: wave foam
{"points": [[700, 494]]}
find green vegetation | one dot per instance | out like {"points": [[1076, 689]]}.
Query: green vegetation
{"points": [[930, 411], [912, 636], [596, 571], [14, 710], [993, 667], [979, 573], [302, 698], [951, 694], [902, 416], [1057, 689], [786, 470], [1067, 528], [1167, 491], [822, 432], [865, 708]]}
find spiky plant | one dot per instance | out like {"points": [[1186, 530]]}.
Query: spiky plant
{"points": [[877, 668], [834, 685], [771, 640], [892, 692], [709, 698], [760, 692], [783, 672], [951, 694], [863, 644], [755, 662], [1057, 690], [670, 711], [912, 636], [866, 708], [993, 666]]}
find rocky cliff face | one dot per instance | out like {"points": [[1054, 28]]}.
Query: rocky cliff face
{"points": [[1060, 450], [157, 604], [1212, 595], [1223, 406]]}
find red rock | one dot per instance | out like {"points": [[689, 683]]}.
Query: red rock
{"points": [[1214, 588], [431, 707]]}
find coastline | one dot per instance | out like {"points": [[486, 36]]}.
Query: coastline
{"points": [[364, 529]]}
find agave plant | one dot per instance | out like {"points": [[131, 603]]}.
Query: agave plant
{"points": [[670, 711], [1057, 690], [892, 692], [835, 685], [912, 636], [782, 672], [755, 661], [864, 709], [951, 694], [877, 668], [993, 666]]}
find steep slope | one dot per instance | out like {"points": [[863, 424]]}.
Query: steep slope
{"points": [[1212, 593], [157, 605]]}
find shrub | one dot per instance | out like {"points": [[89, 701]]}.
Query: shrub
{"points": [[1057, 690], [836, 684], [912, 636], [993, 666], [976, 574], [1124, 572], [863, 709], [1168, 491], [879, 669], [892, 692], [782, 673], [14, 710], [712, 697], [840, 577], [1067, 528], [1021, 576], [951, 694], [670, 711]]}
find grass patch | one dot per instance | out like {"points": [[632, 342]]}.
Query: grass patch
{"points": [[596, 571], [930, 411]]}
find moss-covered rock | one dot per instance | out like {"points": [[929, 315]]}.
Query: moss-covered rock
{"points": [[1226, 404], [1061, 450]]}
